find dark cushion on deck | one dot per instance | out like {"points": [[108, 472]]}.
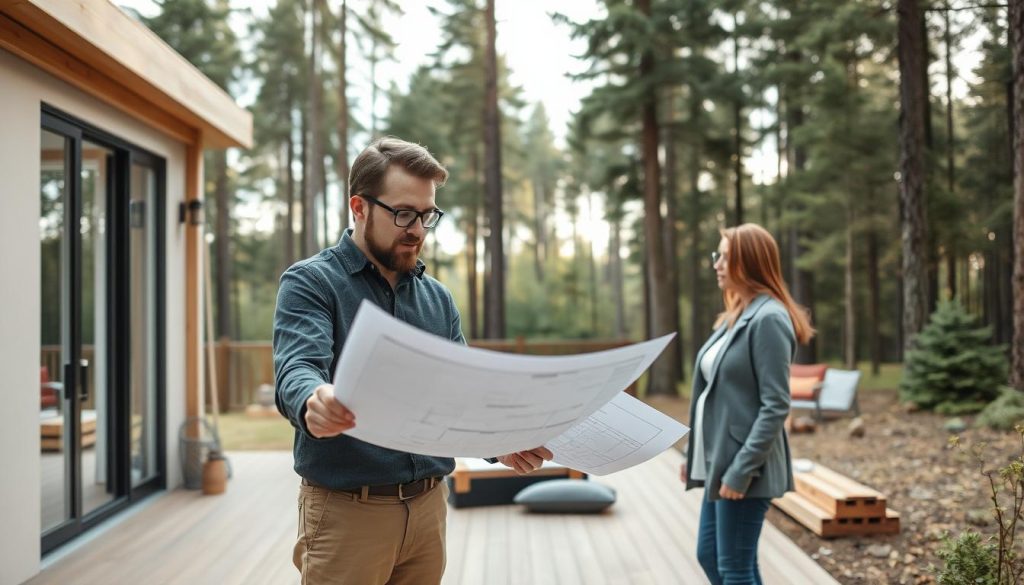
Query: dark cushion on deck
{"points": [[566, 495]]}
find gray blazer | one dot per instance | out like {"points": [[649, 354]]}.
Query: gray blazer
{"points": [[744, 415]]}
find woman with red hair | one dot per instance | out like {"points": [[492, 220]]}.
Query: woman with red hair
{"points": [[738, 450]]}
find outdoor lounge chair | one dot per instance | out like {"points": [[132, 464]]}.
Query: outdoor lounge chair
{"points": [[805, 382], [838, 394]]}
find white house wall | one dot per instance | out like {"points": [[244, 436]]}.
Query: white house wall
{"points": [[23, 90]]}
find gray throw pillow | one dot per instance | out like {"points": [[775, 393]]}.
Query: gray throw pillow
{"points": [[566, 495]]}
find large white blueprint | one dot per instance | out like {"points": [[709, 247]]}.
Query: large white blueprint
{"points": [[619, 435], [416, 392]]}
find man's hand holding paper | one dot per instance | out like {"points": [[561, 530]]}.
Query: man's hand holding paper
{"points": [[526, 461], [325, 415]]}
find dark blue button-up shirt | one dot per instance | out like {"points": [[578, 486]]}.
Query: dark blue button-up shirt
{"points": [[316, 304]]}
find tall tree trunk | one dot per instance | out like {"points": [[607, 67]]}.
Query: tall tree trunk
{"points": [[472, 221], [781, 150], [697, 308], [314, 158], [875, 292], [539, 228], [932, 259], [914, 231], [342, 161], [849, 298], [373, 87], [965, 284], [737, 124], [494, 288], [993, 309], [289, 229], [662, 376], [592, 268], [222, 247], [472, 249], [618, 285], [950, 153], [850, 310], [1017, 43], [321, 164], [802, 281], [1006, 259], [648, 332], [304, 212], [280, 229], [671, 214]]}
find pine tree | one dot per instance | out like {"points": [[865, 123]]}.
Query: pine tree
{"points": [[1017, 36], [953, 368]]}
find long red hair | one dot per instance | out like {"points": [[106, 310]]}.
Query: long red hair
{"points": [[753, 264]]}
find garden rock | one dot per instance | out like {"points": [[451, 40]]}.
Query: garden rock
{"points": [[921, 493], [856, 428], [879, 551], [955, 425]]}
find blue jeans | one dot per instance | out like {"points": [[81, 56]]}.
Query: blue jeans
{"points": [[727, 540]]}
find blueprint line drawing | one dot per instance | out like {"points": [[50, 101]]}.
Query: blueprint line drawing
{"points": [[621, 434]]}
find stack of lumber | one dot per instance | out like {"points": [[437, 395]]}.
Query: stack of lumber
{"points": [[830, 504]]}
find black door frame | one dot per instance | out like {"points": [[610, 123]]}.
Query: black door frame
{"points": [[118, 300]]}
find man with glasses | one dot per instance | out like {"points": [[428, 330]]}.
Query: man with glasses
{"points": [[367, 515]]}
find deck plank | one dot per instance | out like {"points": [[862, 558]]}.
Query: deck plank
{"points": [[246, 536]]}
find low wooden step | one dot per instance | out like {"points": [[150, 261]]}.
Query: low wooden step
{"points": [[821, 522], [839, 495]]}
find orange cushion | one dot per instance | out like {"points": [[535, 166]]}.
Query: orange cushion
{"points": [[802, 387], [808, 370]]}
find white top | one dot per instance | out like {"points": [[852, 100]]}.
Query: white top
{"points": [[697, 470]]}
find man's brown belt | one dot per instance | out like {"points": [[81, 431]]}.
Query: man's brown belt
{"points": [[403, 491]]}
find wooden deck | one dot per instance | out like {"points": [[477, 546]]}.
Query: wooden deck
{"points": [[246, 535]]}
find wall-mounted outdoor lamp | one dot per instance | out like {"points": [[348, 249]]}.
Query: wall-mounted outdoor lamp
{"points": [[192, 210]]}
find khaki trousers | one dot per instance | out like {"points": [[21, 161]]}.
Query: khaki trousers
{"points": [[380, 540]]}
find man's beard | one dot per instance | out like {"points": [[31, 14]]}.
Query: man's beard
{"points": [[390, 257]]}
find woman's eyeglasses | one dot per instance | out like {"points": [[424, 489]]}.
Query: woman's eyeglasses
{"points": [[404, 218], [716, 256]]}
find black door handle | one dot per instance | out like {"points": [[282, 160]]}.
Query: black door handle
{"points": [[84, 371], [66, 383]]}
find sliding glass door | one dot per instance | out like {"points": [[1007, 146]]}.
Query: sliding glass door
{"points": [[100, 323]]}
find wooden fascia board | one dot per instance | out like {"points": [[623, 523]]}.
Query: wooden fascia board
{"points": [[31, 47], [100, 36]]}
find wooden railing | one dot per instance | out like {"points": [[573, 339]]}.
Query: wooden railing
{"points": [[242, 367]]}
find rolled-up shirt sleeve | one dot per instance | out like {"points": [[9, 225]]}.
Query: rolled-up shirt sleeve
{"points": [[303, 342]]}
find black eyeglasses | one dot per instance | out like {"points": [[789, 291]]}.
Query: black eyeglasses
{"points": [[404, 218], [716, 256]]}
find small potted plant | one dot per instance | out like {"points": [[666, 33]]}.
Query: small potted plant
{"points": [[215, 473]]}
